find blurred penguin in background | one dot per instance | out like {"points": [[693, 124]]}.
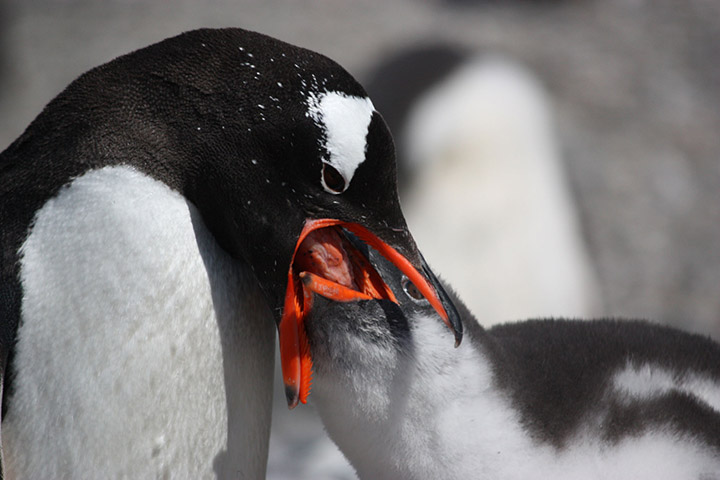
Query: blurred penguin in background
{"points": [[483, 184]]}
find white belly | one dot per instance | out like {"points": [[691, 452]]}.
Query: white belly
{"points": [[144, 350]]}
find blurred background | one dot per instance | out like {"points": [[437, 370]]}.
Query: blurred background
{"points": [[558, 157]]}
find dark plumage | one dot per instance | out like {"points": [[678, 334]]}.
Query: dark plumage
{"points": [[558, 371]]}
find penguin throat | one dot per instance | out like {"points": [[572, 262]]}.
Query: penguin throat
{"points": [[328, 264], [326, 253]]}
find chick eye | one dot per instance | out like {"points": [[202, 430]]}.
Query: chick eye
{"points": [[332, 180], [411, 290]]}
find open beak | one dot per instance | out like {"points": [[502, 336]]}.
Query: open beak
{"points": [[326, 263]]}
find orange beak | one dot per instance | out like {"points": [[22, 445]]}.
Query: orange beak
{"points": [[362, 282]]}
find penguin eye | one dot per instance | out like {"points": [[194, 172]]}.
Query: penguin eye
{"points": [[411, 290], [332, 180]]}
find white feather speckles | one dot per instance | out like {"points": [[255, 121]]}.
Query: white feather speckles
{"points": [[345, 121]]}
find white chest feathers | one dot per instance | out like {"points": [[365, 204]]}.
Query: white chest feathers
{"points": [[144, 350]]}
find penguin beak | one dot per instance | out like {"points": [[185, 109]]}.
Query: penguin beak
{"points": [[327, 264]]}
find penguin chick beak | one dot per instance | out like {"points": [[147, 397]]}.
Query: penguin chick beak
{"points": [[327, 264]]}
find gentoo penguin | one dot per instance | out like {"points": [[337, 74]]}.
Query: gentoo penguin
{"points": [[475, 137], [541, 399], [150, 220]]}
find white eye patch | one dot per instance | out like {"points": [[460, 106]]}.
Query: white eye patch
{"points": [[345, 120]]}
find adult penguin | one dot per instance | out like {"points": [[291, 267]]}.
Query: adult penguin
{"points": [[151, 216]]}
